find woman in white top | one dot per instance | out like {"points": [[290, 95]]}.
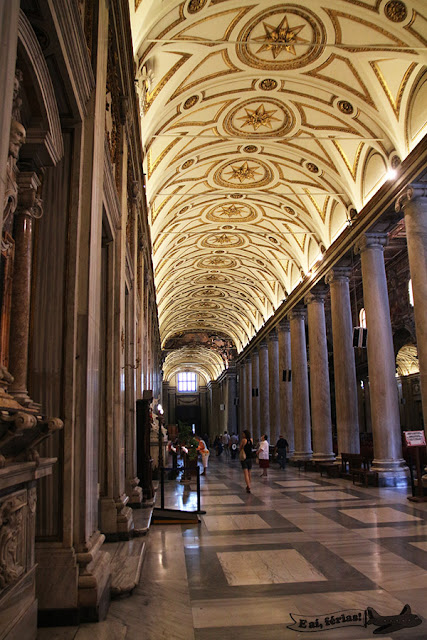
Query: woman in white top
{"points": [[263, 454]]}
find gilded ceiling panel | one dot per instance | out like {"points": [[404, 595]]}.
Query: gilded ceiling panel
{"points": [[264, 125]]}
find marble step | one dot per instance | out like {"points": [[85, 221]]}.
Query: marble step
{"points": [[126, 564]]}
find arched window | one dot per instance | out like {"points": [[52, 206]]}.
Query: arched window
{"points": [[187, 382], [410, 293], [362, 318]]}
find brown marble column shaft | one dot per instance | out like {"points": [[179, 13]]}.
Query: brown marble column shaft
{"points": [[285, 385], [273, 376], [256, 411], [300, 393], [264, 390], [29, 207], [9, 16], [413, 201], [319, 377], [248, 393], [344, 363], [388, 459]]}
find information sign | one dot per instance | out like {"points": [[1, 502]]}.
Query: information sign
{"points": [[415, 438]]}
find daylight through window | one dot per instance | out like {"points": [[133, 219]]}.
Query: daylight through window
{"points": [[187, 381]]}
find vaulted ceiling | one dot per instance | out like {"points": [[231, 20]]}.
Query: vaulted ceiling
{"points": [[266, 128]]}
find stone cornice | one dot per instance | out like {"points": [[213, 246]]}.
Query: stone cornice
{"points": [[74, 49]]}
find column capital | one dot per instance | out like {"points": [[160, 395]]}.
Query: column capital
{"points": [[28, 202], [338, 274], [247, 359], [263, 345], [317, 294], [273, 336], [297, 312], [411, 192], [370, 241], [284, 325]]}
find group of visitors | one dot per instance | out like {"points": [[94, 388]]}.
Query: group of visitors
{"points": [[262, 454], [247, 452]]}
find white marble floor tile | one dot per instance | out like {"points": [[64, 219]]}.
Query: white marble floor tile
{"points": [[329, 495], [379, 514], [296, 483], [220, 500], [267, 567], [213, 486], [236, 522], [420, 545]]}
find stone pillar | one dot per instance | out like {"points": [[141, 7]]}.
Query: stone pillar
{"points": [[172, 404], [9, 14], [285, 385], [413, 201], [273, 376], [300, 395], [231, 401], [264, 390], [256, 423], [29, 207], [248, 393], [242, 414], [319, 377], [344, 364], [388, 459]]}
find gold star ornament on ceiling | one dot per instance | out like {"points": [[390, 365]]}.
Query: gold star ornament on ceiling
{"points": [[244, 172], [280, 38], [231, 211], [258, 118]]}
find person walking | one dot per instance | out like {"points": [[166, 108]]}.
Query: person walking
{"points": [[263, 454], [245, 457], [204, 452], [234, 445], [280, 450]]}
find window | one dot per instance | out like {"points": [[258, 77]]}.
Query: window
{"points": [[187, 382], [410, 293], [362, 318]]}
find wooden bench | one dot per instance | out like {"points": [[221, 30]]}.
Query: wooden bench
{"points": [[357, 467]]}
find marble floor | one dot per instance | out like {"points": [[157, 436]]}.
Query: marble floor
{"points": [[299, 555]]}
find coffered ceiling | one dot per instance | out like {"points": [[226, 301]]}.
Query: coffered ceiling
{"points": [[266, 128]]}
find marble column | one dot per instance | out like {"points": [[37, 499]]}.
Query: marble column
{"points": [[285, 386], [9, 14], [248, 393], [300, 394], [242, 413], [29, 208], [264, 389], [274, 385], [256, 422], [413, 201], [388, 459], [321, 421], [344, 363], [231, 401]]}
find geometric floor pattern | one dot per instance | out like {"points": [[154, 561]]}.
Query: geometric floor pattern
{"points": [[297, 544]]}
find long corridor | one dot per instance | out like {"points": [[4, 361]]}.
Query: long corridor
{"points": [[316, 548]]}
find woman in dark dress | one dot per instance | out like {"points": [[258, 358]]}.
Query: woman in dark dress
{"points": [[246, 445]]}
